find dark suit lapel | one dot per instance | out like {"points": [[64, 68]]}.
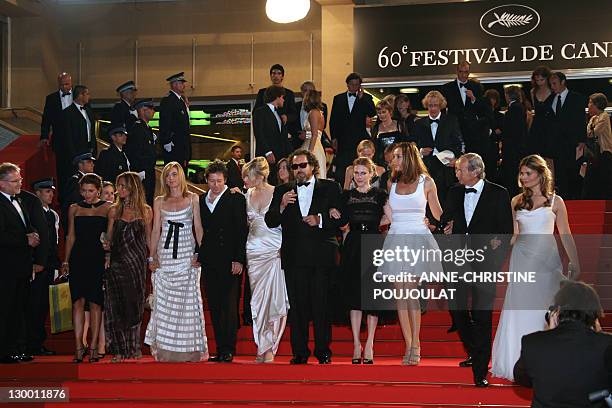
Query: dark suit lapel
{"points": [[7, 203], [315, 196]]}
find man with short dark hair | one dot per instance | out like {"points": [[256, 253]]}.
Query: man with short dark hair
{"points": [[234, 168], [287, 112], [123, 113], [113, 160], [78, 135], [347, 123], [223, 257]]}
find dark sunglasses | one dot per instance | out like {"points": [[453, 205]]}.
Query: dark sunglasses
{"points": [[296, 166]]}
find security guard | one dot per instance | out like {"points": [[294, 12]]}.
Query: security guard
{"points": [[174, 123], [113, 161], [140, 148], [123, 113]]}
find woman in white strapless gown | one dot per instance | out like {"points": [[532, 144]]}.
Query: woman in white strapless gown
{"points": [[406, 211], [269, 301], [536, 211], [313, 126]]}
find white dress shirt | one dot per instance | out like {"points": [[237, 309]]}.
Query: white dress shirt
{"points": [[182, 100], [351, 101], [562, 95], [84, 113], [471, 200], [276, 115], [65, 100], [15, 204], [305, 194], [462, 90], [211, 206], [132, 111], [434, 130]]}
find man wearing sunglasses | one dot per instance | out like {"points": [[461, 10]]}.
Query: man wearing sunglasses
{"points": [[308, 252]]}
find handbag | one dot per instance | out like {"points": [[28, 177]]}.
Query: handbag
{"points": [[60, 307]]}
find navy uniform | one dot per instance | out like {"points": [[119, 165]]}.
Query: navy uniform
{"points": [[38, 301], [174, 134], [140, 150], [112, 161], [123, 114], [72, 190]]}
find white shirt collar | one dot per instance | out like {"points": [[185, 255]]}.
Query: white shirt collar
{"points": [[459, 82], [79, 106], [216, 198], [8, 196], [348, 94], [478, 186], [311, 181], [271, 106], [564, 93], [437, 117], [177, 95]]}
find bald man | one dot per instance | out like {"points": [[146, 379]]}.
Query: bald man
{"points": [[52, 118]]}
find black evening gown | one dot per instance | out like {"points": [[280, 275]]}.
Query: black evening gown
{"points": [[541, 137]]}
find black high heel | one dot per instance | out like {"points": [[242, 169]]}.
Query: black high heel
{"points": [[93, 355], [356, 361], [78, 355]]}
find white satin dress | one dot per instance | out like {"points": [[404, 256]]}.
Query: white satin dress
{"points": [[269, 301]]}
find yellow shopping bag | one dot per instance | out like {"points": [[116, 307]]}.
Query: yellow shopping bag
{"points": [[60, 307]]}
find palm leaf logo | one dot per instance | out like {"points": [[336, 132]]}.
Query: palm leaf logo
{"points": [[509, 20]]}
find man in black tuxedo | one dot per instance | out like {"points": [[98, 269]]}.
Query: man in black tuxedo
{"points": [[347, 123], [514, 139], [308, 252], [123, 113], [140, 147], [38, 302], [223, 256], [174, 123], [438, 132], [72, 190], [297, 130], [52, 118], [234, 168], [17, 241], [569, 129], [113, 161], [271, 138], [78, 134], [287, 112], [481, 210], [571, 359]]}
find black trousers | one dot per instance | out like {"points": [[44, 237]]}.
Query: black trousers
{"points": [[223, 292], [308, 289], [149, 186], [13, 297], [37, 310], [64, 169], [476, 324]]}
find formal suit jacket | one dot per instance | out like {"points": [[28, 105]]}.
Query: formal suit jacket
{"points": [[111, 163], [514, 137], [564, 365], [15, 252], [448, 135], [569, 126], [492, 218], [349, 127], [74, 136], [287, 109], [36, 213], [304, 245], [467, 113], [225, 231], [121, 115], [52, 118], [234, 175], [140, 147], [268, 137], [174, 126]]}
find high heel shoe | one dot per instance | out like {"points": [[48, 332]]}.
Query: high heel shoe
{"points": [[357, 360], [78, 355], [415, 356], [368, 360], [93, 355]]}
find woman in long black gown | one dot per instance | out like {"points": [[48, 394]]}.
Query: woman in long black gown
{"points": [[541, 139], [87, 221]]}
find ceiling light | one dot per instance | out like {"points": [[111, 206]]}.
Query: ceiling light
{"points": [[287, 11], [409, 90], [508, 85]]}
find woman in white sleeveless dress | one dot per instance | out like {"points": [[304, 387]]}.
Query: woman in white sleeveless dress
{"points": [[409, 194], [269, 301], [313, 126], [536, 211], [176, 328]]}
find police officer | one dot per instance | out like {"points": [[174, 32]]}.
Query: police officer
{"points": [[174, 123], [123, 113], [38, 301], [113, 161], [72, 191], [140, 148]]}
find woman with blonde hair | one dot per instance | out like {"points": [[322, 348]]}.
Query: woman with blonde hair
{"points": [[128, 235], [365, 148], [313, 126], [176, 328], [411, 190], [536, 212], [269, 301]]}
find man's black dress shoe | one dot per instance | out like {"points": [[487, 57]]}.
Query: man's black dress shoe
{"points": [[24, 358], [227, 358], [216, 359], [298, 360], [325, 360], [42, 351], [481, 383], [8, 360], [466, 363]]}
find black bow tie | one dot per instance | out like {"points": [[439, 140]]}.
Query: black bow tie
{"points": [[82, 107], [354, 95], [434, 121], [470, 190], [65, 94], [13, 198], [304, 184], [462, 85]]}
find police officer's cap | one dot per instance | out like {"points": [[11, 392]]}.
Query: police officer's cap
{"points": [[177, 77], [126, 86], [142, 103], [116, 130], [44, 184], [82, 157]]}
